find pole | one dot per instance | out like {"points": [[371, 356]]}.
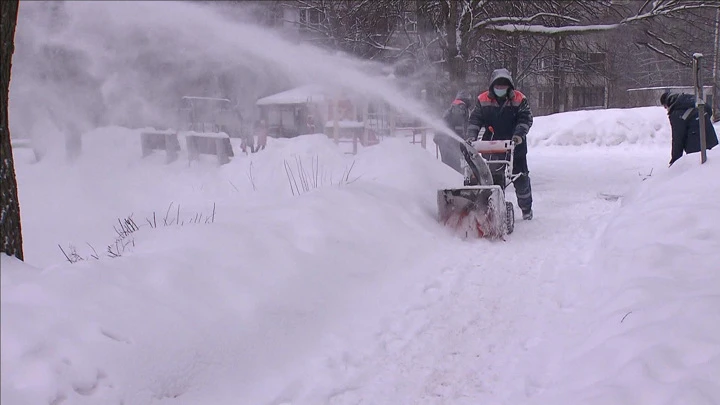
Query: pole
{"points": [[700, 105], [336, 124], [716, 62], [366, 122]]}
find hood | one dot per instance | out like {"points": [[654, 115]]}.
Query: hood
{"points": [[501, 74], [464, 96]]}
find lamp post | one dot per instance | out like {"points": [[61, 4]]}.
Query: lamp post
{"points": [[700, 104]]}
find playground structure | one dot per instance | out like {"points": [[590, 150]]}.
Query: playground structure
{"points": [[206, 124]]}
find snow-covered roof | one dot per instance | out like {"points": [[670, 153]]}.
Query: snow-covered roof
{"points": [[298, 95], [204, 98], [666, 88], [205, 134]]}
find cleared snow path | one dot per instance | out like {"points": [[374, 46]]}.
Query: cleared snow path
{"points": [[476, 326]]}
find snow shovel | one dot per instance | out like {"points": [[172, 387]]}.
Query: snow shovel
{"points": [[476, 211]]}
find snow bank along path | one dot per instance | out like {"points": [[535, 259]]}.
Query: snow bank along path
{"points": [[342, 294], [651, 332]]}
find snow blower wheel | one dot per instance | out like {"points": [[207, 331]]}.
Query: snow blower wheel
{"points": [[510, 218]]}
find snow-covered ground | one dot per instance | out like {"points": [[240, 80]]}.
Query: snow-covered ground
{"points": [[352, 293]]}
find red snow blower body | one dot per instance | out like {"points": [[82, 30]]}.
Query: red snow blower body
{"points": [[479, 209]]}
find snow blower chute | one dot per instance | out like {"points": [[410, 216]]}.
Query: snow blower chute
{"points": [[479, 209]]}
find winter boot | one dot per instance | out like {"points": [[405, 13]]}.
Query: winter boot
{"points": [[527, 214]]}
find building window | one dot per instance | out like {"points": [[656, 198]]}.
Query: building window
{"points": [[545, 99], [311, 17], [274, 16], [594, 60], [545, 63], [597, 57], [410, 22], [587, 96]]}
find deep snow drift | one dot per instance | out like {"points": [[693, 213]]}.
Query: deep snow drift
{"points": [[643, 126]]}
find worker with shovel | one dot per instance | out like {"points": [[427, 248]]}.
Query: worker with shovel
{"points": [[685, 123], [505, 114]]}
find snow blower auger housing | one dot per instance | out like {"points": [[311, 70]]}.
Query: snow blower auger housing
{"points": [[479, 209]]}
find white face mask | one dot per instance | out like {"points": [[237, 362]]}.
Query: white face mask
{"points": [[500, 92]]}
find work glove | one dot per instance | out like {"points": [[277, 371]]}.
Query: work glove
{"points": [[517, 139]]}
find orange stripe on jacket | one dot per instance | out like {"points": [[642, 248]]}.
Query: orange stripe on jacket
{"points": [[518, 97]]}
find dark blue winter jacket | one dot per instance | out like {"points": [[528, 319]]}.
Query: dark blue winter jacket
{"points": [[685, 125]]}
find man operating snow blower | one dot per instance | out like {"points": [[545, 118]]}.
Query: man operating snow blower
{"points": [[505, 114]]}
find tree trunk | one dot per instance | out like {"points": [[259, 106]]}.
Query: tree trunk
{"points": [[514, 59], [452, 50], [456, 64], [10, 231]]}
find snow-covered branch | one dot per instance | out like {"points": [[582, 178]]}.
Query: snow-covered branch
{"points": [[659, 8], [520, 20], [545, 30]]}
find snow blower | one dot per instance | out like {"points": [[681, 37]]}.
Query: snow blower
{"points": [[479, 209]]}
